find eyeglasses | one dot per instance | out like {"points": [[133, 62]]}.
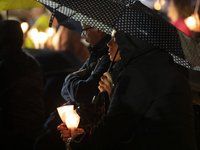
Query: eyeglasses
{"points": [[84, 30]]}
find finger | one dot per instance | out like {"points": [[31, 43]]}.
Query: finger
{"points": [[104, 83], [61, 127], [108, 76], [63, 124], [103, 78], [80, 130], [66, 132], [101, 83], [65, 135], [101, 88]]}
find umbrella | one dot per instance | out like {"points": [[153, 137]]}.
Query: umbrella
{"points": [[18, 4], [134, 18]]}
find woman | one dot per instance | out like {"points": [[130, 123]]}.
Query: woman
{"points": [[178, 11], [102, 87], [150, 105], [106, 83]]}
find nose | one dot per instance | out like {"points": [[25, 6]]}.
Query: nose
{"points": [[109, 44]]}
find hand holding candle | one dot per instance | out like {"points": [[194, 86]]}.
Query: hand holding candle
{"points": [[69, 116], [72, 120]]}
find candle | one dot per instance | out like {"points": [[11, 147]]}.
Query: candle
{"points": [[70, 117]]}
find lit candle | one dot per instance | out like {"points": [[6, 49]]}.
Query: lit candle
{"points": [[62, 110], [157, 5], [24, 26], [42, 38], [69, 116], [191, 22], [72, 120]]}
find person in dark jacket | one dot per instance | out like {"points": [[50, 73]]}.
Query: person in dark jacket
{"points": [[21, 91], [79, 87], [151, 103]]}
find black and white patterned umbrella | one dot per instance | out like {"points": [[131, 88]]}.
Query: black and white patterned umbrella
{"points": [[133, 17]]}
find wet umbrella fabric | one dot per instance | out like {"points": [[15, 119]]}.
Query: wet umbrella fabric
{"points": [[135, 19]]}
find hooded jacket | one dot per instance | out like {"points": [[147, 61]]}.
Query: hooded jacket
{"points": [[151, 105]]}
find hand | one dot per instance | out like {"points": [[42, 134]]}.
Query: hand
{"points": [[66, 133], [106, 83]]}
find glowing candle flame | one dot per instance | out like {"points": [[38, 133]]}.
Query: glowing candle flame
{"points": [[162, 2], [50, 32], [191, 23], [33, 34], [69, 116], [157, 5], [24, 26], [72, 119], [42, 38], [62, 111]]}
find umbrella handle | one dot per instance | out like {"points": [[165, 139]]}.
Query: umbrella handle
{"points": [[53, 15]]}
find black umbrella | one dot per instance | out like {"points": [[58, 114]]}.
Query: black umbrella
{"points": [[133, 18]]}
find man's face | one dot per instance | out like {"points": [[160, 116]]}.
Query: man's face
{"points": [[92, 35]]}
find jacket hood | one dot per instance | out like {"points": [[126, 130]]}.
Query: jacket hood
{"points": [[131, 47], [11, 37]]}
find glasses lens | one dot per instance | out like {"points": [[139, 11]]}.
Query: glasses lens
{"points": [[84, 32]]}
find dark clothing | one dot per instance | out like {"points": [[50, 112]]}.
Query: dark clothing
{"points": [[56, 65], [78, 89], [151, 105], [81, 86], [21, 93]]}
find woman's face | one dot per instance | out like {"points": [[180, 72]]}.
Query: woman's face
{"points": [[112, 44]]}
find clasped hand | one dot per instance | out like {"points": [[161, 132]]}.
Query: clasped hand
{"points": [[106, 83], [66, 133]]}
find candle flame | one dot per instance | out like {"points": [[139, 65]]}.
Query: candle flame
{"points": [[72, 119], [162, 2], [50, 32], [69, 116], [191, 23], [62, 110], [24, 26], [157, 5]]}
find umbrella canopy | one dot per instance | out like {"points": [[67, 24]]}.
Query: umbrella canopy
{"points": [[59, 16], [134, 18], [18, 4]]}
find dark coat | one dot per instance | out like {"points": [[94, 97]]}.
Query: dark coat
{"points": [[21, 91], [151, 105], [81, 86]]}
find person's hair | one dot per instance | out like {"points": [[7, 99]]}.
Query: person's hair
{"points": [[184, 8]]}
